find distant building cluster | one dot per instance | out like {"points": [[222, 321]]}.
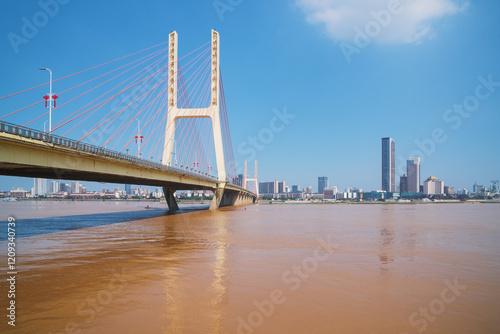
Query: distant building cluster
{"points": [[410, 183], [58, 190], [410, 187], [44, 188]]}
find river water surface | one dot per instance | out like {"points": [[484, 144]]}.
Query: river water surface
{"points": [[406, 268]]}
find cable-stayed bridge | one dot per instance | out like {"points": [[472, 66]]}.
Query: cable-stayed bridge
{"points": [[148, 118]]}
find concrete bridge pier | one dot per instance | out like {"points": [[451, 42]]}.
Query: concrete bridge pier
{"points": [[227, 197], [218, 196], [170, 198]]}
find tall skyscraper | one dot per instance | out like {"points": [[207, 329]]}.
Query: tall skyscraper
{"points": [[322, 183], [75, 187], [388, 165], [413, 172], [281, 187], [55, 187], [128, 189], [40, 187]]}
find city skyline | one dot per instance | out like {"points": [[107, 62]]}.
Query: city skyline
{"points": [[437, 94], [275, 185]]}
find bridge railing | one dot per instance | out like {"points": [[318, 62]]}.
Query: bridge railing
{"points": [[88, 148]]}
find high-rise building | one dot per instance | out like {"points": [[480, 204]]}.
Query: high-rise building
{"points": [[272, 187], [433, 186], [388, 165], [75, 187], [40, 188], [281, 187], [322, 183], [478, 188], [295, 188], [413, 174], [159, 192], [55, 187], [403, 184], [268, 188], [65, 187], [128, 189], [494, 186]]}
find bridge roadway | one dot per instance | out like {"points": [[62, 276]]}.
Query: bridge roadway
{"points": [[32, 153]]}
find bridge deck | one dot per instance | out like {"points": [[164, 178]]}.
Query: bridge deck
{"points": [[31, 153]]}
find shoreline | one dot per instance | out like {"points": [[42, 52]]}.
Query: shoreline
{"points": [[105, 200], [265, 202]]}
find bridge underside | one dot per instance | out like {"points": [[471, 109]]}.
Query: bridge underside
{"points": [[55, 173], [28, 157]]}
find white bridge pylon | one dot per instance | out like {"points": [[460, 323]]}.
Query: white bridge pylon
{"points": [[212, 112]]}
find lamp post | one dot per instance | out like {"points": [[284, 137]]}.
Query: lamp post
{"points": [[50, 97], [138, 135]]}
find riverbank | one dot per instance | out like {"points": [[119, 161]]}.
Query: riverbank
{"points": [[142, 200]]}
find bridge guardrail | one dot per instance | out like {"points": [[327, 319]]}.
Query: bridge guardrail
{"points": [[88, 148]]}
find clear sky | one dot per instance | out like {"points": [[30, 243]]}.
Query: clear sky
{"points": [[341, 74]]}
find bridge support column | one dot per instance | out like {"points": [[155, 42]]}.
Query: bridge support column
{"points": [[218, 195], [229, 197], [170, 198]]}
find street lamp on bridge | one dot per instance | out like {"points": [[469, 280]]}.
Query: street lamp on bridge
{"points": [[49, 98]]}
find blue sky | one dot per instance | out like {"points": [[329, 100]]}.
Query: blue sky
{"points": [[346, 72]]}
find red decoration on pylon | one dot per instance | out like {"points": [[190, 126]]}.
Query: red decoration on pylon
{"points": [[54, 97], [46, 98], [137, 137]]}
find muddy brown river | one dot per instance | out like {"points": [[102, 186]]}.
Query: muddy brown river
{"points": [[400, 269]]}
